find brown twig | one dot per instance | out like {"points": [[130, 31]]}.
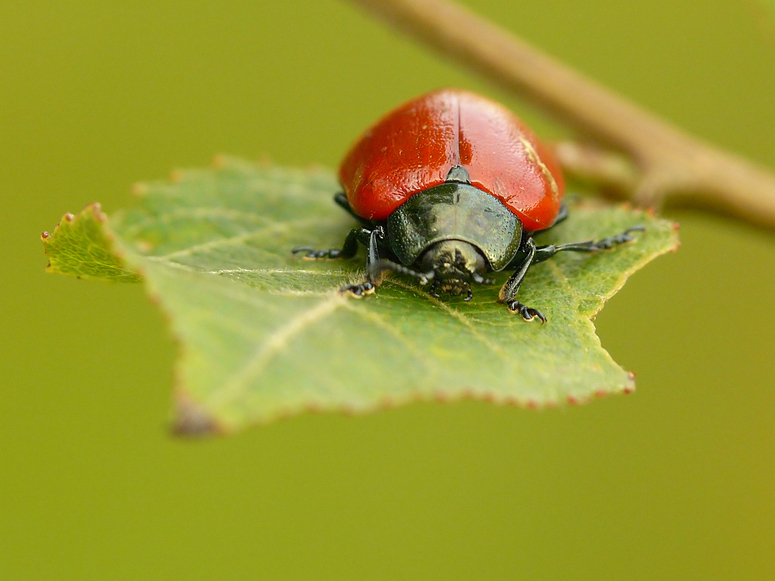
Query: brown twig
{"points": [[668, 163]]}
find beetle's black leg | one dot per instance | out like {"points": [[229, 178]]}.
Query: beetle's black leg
{"points": [[546, 252], [508, 292], [561, 215], [348, 250], [376, 269], [342, 202], [350, 246], [371, 282]]}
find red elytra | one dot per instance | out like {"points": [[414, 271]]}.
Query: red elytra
{"points": [[413, 148]]}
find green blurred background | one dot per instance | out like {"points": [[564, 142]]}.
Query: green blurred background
{"points": [[674, 482]]}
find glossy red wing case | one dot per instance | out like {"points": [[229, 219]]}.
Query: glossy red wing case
{"points": [[413, 148]]}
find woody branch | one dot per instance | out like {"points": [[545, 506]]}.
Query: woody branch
{"points": [[666, 164]]}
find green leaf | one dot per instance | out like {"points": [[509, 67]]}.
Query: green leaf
{"points": [[82, 246], [265, 335]]}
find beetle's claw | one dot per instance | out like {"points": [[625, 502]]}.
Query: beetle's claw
{"points": [[434, 289], [611, 241], [358, 291], [527, 313]]}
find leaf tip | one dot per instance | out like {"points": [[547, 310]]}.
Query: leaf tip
{"points": [[489, 398], [441, 396], [191, 419], [388, 402], [96, 210], [677, 243], [630, 387]]}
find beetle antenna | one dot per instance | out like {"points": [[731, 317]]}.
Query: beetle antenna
{"points": [[377, 267]]}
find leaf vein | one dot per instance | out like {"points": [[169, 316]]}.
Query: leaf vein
{"points": [[493, 347], [412, 348], [235, 240], [199, 212], [563, 281], [270, 347]]}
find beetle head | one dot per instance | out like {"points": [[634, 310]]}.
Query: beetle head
{"points": [[454, 264], [449, 265]]}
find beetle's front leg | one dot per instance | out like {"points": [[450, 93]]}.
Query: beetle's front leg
{"points": [[370, 284], [508, 292], [348, 250]]}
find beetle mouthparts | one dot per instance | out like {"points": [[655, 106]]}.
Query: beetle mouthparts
{"points": [[453, 287], [479, 279]]}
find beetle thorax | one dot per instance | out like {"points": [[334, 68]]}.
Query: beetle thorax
{"points": [[454, 264]]}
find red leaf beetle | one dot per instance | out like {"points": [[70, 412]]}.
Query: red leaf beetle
{"points": [[448, 187]]}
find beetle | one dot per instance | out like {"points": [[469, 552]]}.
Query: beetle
{"points": [[448, 187]]}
